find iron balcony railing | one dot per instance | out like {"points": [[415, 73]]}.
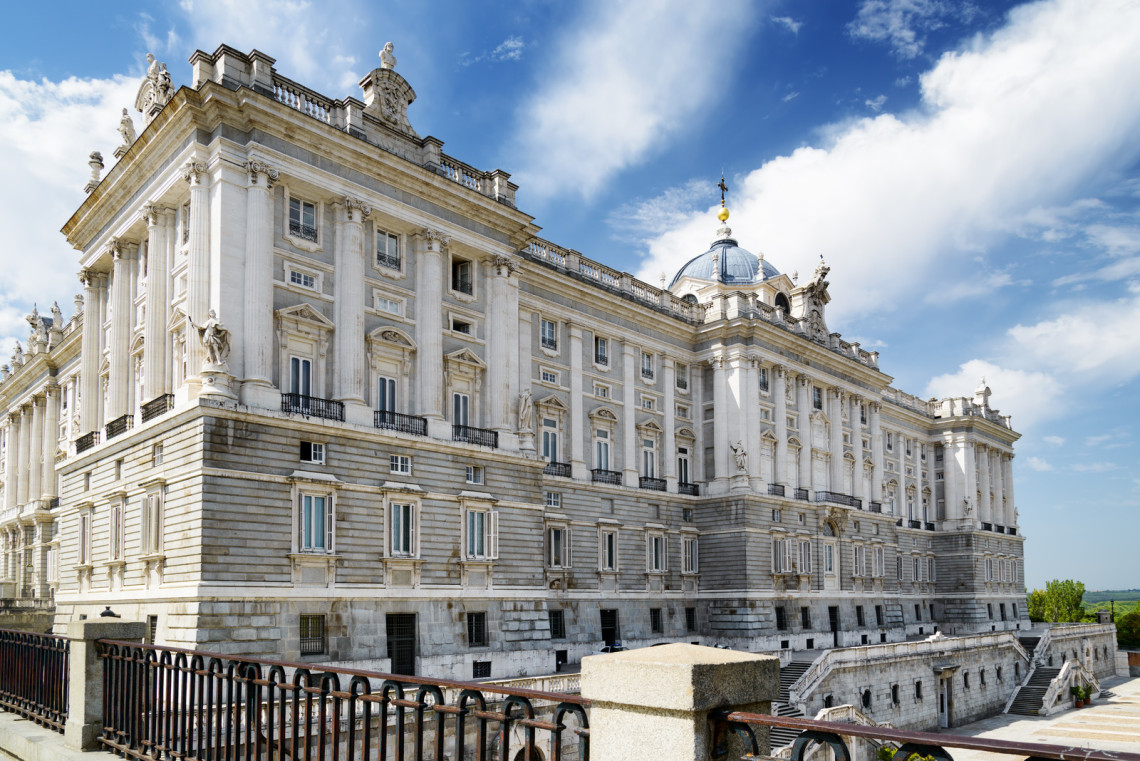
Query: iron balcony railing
{"points": [[34, 676], [928, 526], [987, 526], [914, 524], [653, 484], [1011, 531], [155, 407], [601, 358], [162, 703], [473, 435], [312, 405], [391, 261], [693, 490], [119, 425], [838, 499], [86, 441], [682, 382], [395, 421], [549, 342], [999, 529], [601, 476], [462, 285], [802, 494], [776, 490], [647, 373], [560, 469], [899, 523], [308, 232], [875, 507]]}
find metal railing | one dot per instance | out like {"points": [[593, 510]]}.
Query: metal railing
{"points": [[999, 529], [987, 526], [391, 261], [838, 499], [560, 469], [776, 490], [875, 507], [162, 702], [801, 494], [549, 342], [119, 425], [86, 441], [312, 405], [914, 524], [21, 604], [653, 484], [473, 435], [928, 525], [831, 733], [602, 476], [462, 285], [307, 232], [158, 406], [395, 421], [34, 676], [693, 490]]}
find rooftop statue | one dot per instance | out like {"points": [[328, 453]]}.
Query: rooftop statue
{"points": [[387, 60], [127, 129], [155, 91]]}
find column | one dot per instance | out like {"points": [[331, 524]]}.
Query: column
{"points": [[952, 479], [119, 359], [348, 308], [750, 419], [997, 462], [916, 456], [429, 323], [803, 422], [854, 403], [577, 439], [970, 473], [50, 443], [198, 262], [696, 395], [22, 450], [669, 438], [835, 396], [157, 304], [985, 509], [720, 420], [780, 390], [876, 452], [92, 349], [11, 464], [258, 370], [630, 361], [35, 450], [1010, 505], [502, 343]]}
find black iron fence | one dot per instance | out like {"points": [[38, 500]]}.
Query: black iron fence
{"points": [[119, 425], [162, 702], [653, 484], [603, 476], [395, 421], [34, 676], [312, 405], [776, 490], [801, 494], [160, 405], [473, 435], [560, 469], [86, 441], [838, 499], [693, 490]]}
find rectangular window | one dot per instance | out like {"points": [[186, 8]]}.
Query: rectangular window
{"points": [[917, 612], [602, 449], [385, 304], [863, 414], [879, 562], [683, 465], [549, 332], [655, 625], [477, 629], [460, 409], [116, 529], [890, 442], [482, 535], [860, 568], [682, 377], [302, 219], [601, 351], [859, 615], [879, 615], [601, 391], [474, 474], [403, 527], [805, 617], [480, 669], [315, 533], [930, 569], [647, 366], [558, 542], [690, 619], [553, 499], [312, 635], [763, 378], [399, 463], [781, 556], [805, 557], [550, 439], [85, 539], [461, 276], [914, 562], [557, 624], [683, 411], [156, 455], [387, 250], [829, 558], [898, 568], [655, 553], [817, 397], [648, 458], [690, 560], [608, 560], [386, 394], [152, 520], [459, 325], [781, 619], [303, 279], [648, 403], [549, 376], [312, 452], [301, 376]]}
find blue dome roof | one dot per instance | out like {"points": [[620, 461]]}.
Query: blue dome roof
{"points": [[733, 265]]}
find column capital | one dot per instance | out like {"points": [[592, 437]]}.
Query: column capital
{"points": [[435, 238], [504, 266], [804, 380], [875, 407], [717, 361], [353, 207], [152, 214], [192, 172], [258, 168], [781, 371]]}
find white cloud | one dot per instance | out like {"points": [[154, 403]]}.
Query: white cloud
{"points": [[788, 23], [510, 49], [791, 96], [1002, 130], [1026, 395], [608, 98], [1054, 440], [1036, 463], [633, 221], [1094, 467], [876, 104], [904, 23]]}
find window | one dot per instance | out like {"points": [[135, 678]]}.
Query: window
{"points": [[482, 528], [558, 542], [895, 694], [386, 394], [477, 629], [690, 560], [460, 325], [690, 619], [649, 458], [655, 621], [966, 679], [387, 250], [303, 279], [805, 617], [557, 624], [602, 391], [990, 610], [776, 516], [763, 378], [602, 449], [312, 635], [312, 452], [648, 403], [817, 397], [922, 452], [385, 304], [890, 442], [859, 616], [301, 376], [917, 612], [860, 567], [302, 219], [982, 676], [682, 377], [548, 376], [403, 528], [474, 474], [930, 569], [863, 414], [898, 568], [151, 529], [85, 538], [156, 454], [461, 276], [549, 332], [879, 561], [683, 465], [655, 553], [805, 557], [608, 551], [151, 629], [781, 556], [480, 669], [878, 615], [553, 499], [315, 534], [915, 562], [646, 366], [781, 619], [908, 447], [683, 411], [687, 514], [918, 690], [601, 351], [400, 463], [116, 530], [460, 409]]}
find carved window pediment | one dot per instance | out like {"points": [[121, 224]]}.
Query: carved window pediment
{"points": [[304, 315]]}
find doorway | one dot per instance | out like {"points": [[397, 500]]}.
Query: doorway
{"points": [[401, 630], [833, 618], [610, 633], [944, 700]]}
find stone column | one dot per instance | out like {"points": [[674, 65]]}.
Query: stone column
{"points": [[429, 327], [630, 358], [951, 479], [348, 351], [502, 345], [669, 438], [997, 463], [35, 450], [1010, 505], [853, 411], [780, 390], [50, 443], [720, 422], [119, 360], [655, 702], [257, 374], [524, 370], [157, 304], [803, 421], [750, 419], [835, 396], [11, 463], [697, 413], [985, 509], [970, 471], [23, 461], [197, 302], [577, 439], [85, 678], [876, 452]]}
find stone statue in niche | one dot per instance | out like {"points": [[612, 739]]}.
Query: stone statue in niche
{"points": [[387, 59], [215, 338], [526, 411], [740, 455]]}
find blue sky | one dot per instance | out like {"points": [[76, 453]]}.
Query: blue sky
{"points": [[969, 170]]}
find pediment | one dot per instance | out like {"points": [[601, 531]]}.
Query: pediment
{"points": [[177, 319], [794, 442], [767, 435], [650, 425], [390, 335], [685, 432], [552, 402], [307, 313], [466, 357], [603, 413]]}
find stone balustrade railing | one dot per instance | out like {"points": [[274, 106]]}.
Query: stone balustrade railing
{"points": [[1073, 673]]}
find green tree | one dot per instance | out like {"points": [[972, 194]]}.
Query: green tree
{"points": [[1128, 630], [1063, 600], [1036, 605]]}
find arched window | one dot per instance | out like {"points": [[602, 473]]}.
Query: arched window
{"points": [[689, 298], [782, 303]]}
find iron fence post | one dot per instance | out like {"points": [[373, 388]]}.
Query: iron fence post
{"points": [[85, 680]]}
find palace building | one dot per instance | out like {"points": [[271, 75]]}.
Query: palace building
{"points": [[326, 395]]}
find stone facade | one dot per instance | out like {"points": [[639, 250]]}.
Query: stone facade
{"points": [[330, 397]]}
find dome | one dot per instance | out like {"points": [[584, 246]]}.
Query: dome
{"points": [[726, 262]]}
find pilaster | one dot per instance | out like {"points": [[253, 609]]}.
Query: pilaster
{"points": [[875, 409], [835, 446], [257, 374], [155, 335], [348, 352], [35, 450], [198, 264], [578, 467], [23, 459], [630, 357], [48, 488], [429, 246], [719, 482], [11, 462], [669, 438], [779, 392], [803, 421], [119, 359]]}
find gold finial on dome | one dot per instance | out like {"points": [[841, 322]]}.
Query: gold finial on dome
{"points": [[722, 215]]}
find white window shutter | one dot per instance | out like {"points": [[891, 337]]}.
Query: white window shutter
{"points": [[648, 552], [414, 533], [568, 549], [601, 549], [329, 516], [493, 538]]}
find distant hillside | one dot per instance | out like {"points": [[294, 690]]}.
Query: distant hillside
{"points": [[1120, 595]]}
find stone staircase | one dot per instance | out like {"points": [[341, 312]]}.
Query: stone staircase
{"points": [[1027, 702], [782, 736]]}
